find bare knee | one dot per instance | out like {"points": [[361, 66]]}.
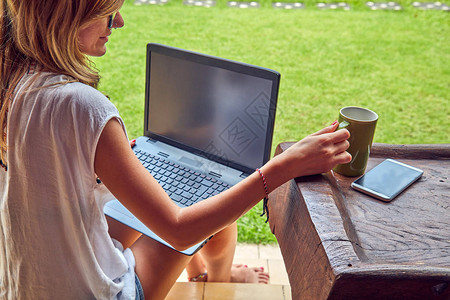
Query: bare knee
{"points": [[124, 234], [222, 243], [157, 266], [218, 254]]}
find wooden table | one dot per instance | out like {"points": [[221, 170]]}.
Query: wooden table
{"points": [[338, 243]]}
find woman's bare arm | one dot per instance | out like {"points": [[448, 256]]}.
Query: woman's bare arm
{"points": [[123, 174]]}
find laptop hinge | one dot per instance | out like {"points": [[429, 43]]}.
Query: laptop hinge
{"points": [[149, 140]]}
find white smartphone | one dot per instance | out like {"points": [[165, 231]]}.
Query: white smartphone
{"points": [[388, 179]]}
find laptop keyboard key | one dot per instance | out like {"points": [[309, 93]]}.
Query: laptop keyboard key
{"points": [[186, 195], [207, 182], [177, 198]]}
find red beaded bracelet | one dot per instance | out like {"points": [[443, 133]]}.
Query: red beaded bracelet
{"points": [[266, 199]]}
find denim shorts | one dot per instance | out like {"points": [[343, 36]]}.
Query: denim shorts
{"points": [[139, 290]]}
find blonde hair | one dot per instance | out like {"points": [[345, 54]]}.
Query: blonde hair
{"points": [[45, 32]]}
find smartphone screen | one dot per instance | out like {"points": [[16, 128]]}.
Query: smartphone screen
{"points": [[387, 180]]}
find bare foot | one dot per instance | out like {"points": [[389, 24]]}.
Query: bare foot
{"points": [[244, 274]]}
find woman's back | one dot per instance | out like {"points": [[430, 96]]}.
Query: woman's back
{"points": [[53, 225]]}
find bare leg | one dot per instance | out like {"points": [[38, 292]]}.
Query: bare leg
{"points": [[124, 234], [196, 267], [157, 266], [217, 258], [218, 254]]}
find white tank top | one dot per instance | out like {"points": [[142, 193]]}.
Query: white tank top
{"points": [[54, 241]]}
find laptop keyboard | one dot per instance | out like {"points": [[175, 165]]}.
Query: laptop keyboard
{"points": [[183, 185]]}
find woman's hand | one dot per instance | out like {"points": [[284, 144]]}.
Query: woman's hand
{"points": [[318, 152]]}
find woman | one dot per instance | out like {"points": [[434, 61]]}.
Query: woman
{"points": [[60, 133]]}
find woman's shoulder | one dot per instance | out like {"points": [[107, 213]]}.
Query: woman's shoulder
{"points": [[48, 94], [66, 86], [64, 90]]}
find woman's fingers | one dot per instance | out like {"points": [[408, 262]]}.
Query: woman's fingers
{"points": [[341, 146], [343, 158], [327, 129], [340, 135], [336, 135], [133, 143]]}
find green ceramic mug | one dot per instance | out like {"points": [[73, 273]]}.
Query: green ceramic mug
{"points": [[361, 123]]}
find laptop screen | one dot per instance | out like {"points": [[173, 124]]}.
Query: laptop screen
{"points": [[220, 109]]}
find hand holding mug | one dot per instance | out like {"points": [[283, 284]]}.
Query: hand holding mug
{"points": [[361, 123]]}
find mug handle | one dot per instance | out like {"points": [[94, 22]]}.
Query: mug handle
{"points": [[343, 125]]}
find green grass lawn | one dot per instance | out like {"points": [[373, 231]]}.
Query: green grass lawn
{"points": [[395, 63]]}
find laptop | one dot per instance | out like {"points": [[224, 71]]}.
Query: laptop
{"points": [[208, 124]]}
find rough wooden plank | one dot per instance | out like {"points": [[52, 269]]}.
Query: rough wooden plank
{"points": [[412, 227], [375, 286], [335, 240], [295, 234], [419, 151]]}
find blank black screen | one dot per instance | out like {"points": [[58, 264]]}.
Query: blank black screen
{"points": [[223, 113]]}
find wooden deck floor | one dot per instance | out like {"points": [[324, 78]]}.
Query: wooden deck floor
{"points": [[267, 256]]}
